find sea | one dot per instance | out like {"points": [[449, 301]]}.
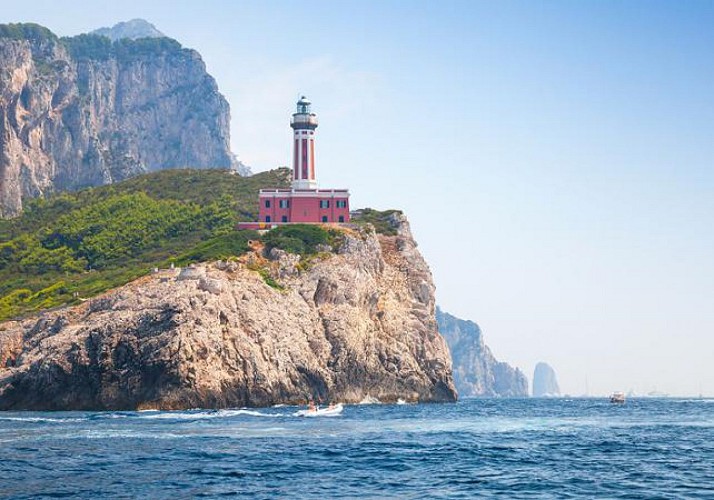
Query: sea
{"points": [[476, 448]]}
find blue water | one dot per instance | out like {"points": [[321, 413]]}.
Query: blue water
{"points": [[518, 448]]}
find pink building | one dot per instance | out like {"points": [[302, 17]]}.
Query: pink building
{"points": [[304, 202]]}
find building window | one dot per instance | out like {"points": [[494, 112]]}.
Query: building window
{"points": [[267, 218], [324, 218], [285, 218], [341, 203], [267, 203], [284, 203], [341, 218], [324, 203]]}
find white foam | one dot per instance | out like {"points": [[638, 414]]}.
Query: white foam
{"points": [[252, 413], [178, 415], [43, 419]]}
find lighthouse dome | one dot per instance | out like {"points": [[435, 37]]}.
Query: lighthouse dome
{"points": [[303, 105]]}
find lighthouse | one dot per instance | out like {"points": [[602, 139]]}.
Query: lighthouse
{"points": [[304, 123], [303, 202]]}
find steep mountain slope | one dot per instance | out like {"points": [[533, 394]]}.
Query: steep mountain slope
{"points": [[86, 111], [476, 370]]}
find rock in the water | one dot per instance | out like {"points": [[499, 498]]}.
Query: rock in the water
{"points": [[476, 370], [85, 111], [545, 384], [359, 322]]}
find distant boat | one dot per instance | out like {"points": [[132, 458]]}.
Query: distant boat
{"points": [[617, 397]]}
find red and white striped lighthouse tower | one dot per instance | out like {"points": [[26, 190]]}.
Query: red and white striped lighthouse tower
{"points": [[304, 124]]}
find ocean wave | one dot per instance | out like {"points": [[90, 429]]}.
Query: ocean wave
{"points": [[208, 414]]}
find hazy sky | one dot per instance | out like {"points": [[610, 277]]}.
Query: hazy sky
{"points": [[555, 159]]}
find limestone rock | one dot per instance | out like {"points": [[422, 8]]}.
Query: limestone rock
{"points": [[545, 383], [84, 112], [358, 322], [133, 29], [476, 370]]}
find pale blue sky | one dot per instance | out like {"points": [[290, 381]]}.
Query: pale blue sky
{"points": [[556, 159]]}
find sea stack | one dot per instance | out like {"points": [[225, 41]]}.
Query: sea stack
{"points": [[545, 383]]}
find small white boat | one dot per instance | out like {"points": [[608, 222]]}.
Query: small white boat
{"points": [[330, 411], [617, 397]]}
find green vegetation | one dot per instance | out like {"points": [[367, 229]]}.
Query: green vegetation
{"points": [[379, 219], [26, 31], [94, 47], [98, 47], [80, 244], [220, 248], [269, 280], [303, 239], [86, 46]]}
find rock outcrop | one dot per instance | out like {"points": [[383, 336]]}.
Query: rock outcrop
{"points": [[86, 111], [476, 370], [133, 29], [545, 383], [353, 323]]}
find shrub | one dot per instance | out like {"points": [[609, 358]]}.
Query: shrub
{"points": [[300, 239]]}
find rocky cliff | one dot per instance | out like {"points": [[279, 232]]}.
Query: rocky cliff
{"points": [[545, 383], [85, 111], [345, 324], [476, 370]]}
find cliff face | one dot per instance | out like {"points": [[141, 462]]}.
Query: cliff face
{"points": [[353, 323], [85, 111], [545, 383], [476, 370]]}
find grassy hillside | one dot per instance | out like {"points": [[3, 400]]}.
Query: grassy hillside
{"points": [[79, 244]]}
